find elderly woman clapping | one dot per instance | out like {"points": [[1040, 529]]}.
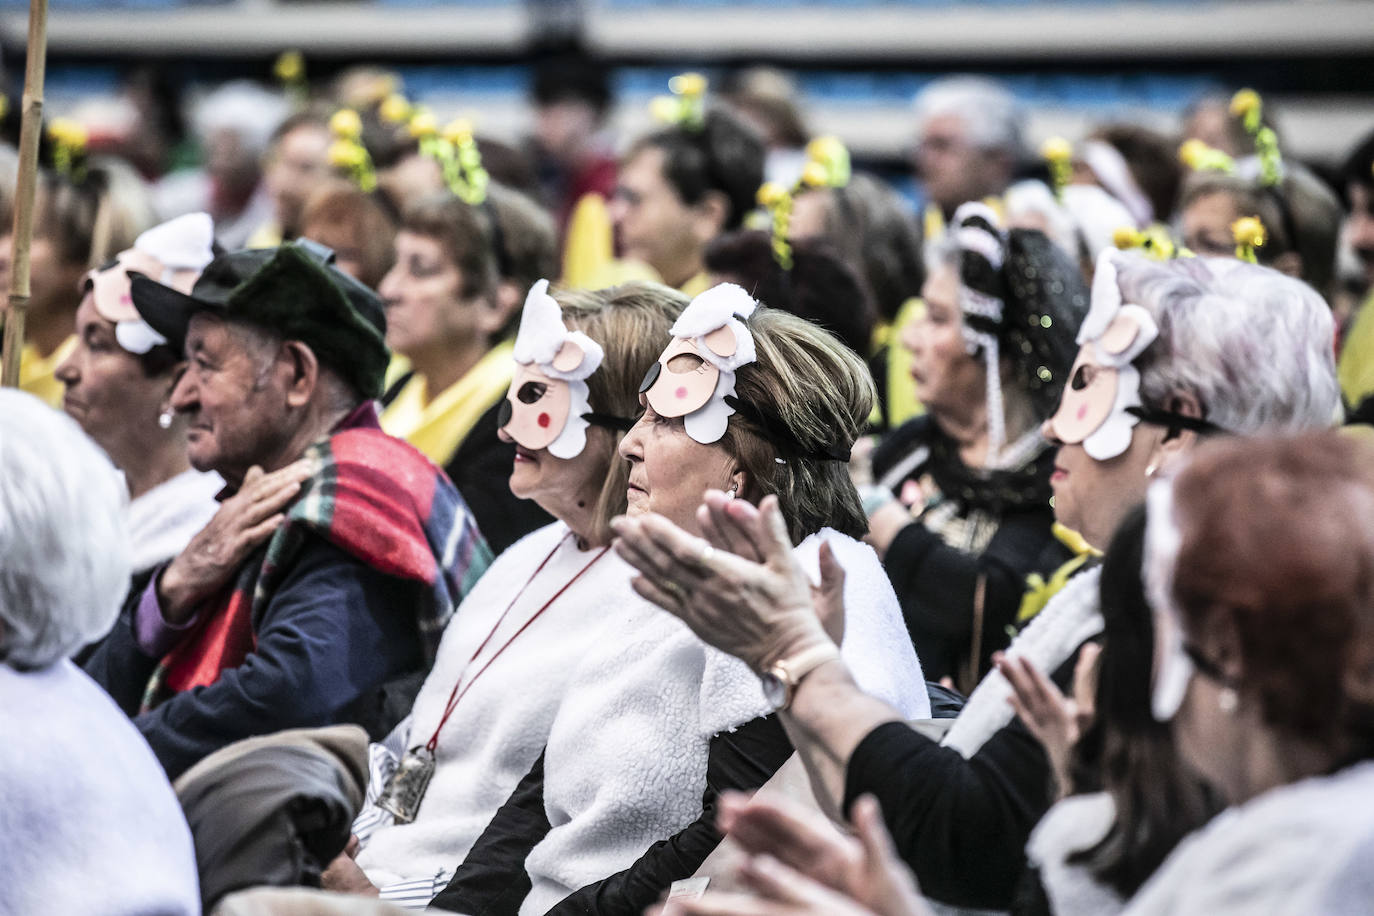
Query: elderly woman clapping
{"points": [[95, 825], [1169, 352], [653, 724]]}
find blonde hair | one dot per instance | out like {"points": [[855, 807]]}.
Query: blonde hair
{"points": [[632, 323], [822, 393]]}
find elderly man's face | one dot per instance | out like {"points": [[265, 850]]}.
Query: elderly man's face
{"points": [[952, 169], [234, 401]]}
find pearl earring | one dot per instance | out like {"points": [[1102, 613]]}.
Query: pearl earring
{"points": [[1228, 701], [1150, 469], [732, 492], [165, 418]]}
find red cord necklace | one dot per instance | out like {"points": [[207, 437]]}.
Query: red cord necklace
{"points": [[407, 786]]}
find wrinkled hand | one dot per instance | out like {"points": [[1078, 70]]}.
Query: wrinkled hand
{"points": [[345, 877], [746, 596], [243, 521], [801, 864], [1056, 721]]}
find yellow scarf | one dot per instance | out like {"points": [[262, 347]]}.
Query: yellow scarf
{"points": [[902, 403], [438, 426], [1356, 368], [37, 374], [1039, 590]]}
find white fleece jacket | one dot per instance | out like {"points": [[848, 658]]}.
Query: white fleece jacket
{"points": [[626, 760], [501, 724], [88, 821]]}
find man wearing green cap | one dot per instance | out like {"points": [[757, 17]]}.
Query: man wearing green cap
{"points": [[318, 592]]}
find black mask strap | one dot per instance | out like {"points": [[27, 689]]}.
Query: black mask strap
{"points": [[609, 421]]}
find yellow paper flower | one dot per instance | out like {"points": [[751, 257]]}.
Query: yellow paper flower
{"points": [[692, 85], [1126, 238], [345, 154], [1248, 231], [814, 175], [458, 132], [1192, 152], [770, 194], [833, 157], [422, 124], [68, 133], [346, 124], [395, 109], [1056, 150], [1244, 102], [290, 66]]}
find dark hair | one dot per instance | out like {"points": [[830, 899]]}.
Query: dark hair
{"points": [[572, 78], [871, 229], [1358, 167], [464, 235], [1157, 801], [724, 156], [820, 287], [1152, 159]]}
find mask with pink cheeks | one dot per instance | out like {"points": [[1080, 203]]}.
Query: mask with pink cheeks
{"points": [[696, 373], [547, 406], [1103, 385]]}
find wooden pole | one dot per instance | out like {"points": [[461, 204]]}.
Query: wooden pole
{"points": [[30, 127]]}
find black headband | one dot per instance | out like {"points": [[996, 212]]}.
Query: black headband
{"points": [[1173, 420], [777, 432]]}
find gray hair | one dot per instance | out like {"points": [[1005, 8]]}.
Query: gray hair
{"points": [[992, 117], [64, 544], [1252, 345]]}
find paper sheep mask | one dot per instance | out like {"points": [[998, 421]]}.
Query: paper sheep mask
{"points": [[1103, 384], [547, 405], [173, 253], [696, 372]]}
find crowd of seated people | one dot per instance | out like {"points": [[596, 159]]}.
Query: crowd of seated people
{"points": [[392, 518]]}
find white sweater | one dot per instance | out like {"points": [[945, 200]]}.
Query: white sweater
{"points": [[501, 724], [163, 520], [1306, 848], [626, 759], [88, 821]]}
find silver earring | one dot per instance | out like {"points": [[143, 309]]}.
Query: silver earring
{"points": [[1227, 700], [1150, 470], [165, 418], [732, 492]]}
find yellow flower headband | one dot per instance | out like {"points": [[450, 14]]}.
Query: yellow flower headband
{"points": [[1153, 241], [1200, 157], [289, 70], [827, 166], [1247, 106], [347, 151], [69, 140], [454, 148], [1058, 154], [686, 107]]}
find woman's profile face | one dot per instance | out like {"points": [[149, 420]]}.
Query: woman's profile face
{"points": [[107, 391], [566, 488], [949, 380], [1092, 497], [1206, 224], [670, 471], [422, 293]]}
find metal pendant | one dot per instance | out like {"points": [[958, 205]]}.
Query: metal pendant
{"points": [[406, 788]]}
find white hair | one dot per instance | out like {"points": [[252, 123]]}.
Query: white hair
{"points": [[1252, 345], [244, 108], [992, 118], [64, 545]]}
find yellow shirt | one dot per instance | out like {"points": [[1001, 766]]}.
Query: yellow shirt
{"points": [[437, 426], [696, 285], [902, 402], [37, 374]]}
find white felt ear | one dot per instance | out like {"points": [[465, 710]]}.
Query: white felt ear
{"points": [[542, 330], [184, 243], [568, 357], [137, 337], [1105, 302]]}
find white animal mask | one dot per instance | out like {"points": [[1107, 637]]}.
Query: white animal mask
{"points": [[697, 371], [1093, 409], [547, 405], [173, 253]]}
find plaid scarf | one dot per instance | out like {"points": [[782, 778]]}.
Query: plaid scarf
{"points": [[375, 498]]}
